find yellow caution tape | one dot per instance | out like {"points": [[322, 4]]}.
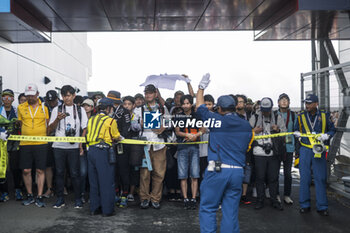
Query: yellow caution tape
{"points": [[285, 134], [82, 140], [134, 141], [3, 159], [131, 141], [46, 138]]}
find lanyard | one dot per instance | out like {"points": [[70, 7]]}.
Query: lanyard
{"points": [[31, 115], [312, 124], [74, 114], [288, 115]]}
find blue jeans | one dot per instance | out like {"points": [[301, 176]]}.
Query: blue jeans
{"points": [[62, 156], [188, 161], [83, 172]]}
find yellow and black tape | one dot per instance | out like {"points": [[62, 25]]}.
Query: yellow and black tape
{"points": [[285, 134], [133, 141], [130, 141], [46, 139]]}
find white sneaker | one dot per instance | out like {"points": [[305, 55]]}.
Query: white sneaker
{"points": [[131, 197], [288, 200], [267, 193], [254, 194], [278, 198]]}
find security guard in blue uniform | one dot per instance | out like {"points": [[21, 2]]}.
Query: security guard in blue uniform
{"points": [[228, 144], [313, 121], [102, 130]]}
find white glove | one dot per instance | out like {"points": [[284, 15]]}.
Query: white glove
{"points": [[121, 138], [323, 137], [297, 134], [4, 136], [204, 82], [187, 80]]}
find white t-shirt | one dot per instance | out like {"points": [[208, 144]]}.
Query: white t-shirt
{"points": [[64, 123]]}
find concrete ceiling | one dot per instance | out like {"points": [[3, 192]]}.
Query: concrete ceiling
{"points": [[34, 20]]}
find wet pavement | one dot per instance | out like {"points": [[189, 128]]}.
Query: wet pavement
{"points": [[171, 218]]}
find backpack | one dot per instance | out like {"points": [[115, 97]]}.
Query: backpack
{"points": [[290, 112]]}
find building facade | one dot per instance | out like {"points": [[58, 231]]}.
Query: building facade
{"points": [[66, 60]]}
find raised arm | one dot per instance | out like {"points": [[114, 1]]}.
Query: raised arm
{"points": [[200, 93], [189, 86], [160, 98]]}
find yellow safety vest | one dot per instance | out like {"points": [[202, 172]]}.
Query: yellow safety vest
{"points": [[93, 129], [307, 129]]}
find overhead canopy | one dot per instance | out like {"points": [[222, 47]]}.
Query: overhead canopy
{"points": [[33, 20]]}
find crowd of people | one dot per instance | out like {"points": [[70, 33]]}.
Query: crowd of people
{"points": [[110, 173]]}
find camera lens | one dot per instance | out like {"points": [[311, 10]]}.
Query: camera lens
{"points": [[267, 148]]}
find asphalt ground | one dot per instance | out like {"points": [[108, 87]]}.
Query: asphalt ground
{"points": [[15, 217]]}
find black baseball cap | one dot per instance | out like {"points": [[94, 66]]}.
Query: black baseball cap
{"points": [[51, 95], [283, 95], [139, 95], [7, 92], [150, 88]]}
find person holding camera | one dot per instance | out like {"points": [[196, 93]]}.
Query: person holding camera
{"points": [[68, 120], [290, 118], [266, 122]]}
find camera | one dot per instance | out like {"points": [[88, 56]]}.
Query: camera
{"points": [[67, 113], [70, 132], [267, 148]]}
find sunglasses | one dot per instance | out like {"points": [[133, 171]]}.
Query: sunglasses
{"points": [[10, 98]]}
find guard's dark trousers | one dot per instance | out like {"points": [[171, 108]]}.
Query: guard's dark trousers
{"points": [[101, 178]]}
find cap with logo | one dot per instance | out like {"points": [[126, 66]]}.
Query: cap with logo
{"points": [[226, 101], [31, 89], [51, 95], [88, 102], [266, 104], [311, 98], [150, 88], [7, 92], [114, 96], [105, 102]]}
